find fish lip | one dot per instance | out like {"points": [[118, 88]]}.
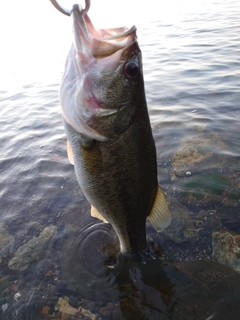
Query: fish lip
{"points": [[106, 33], [87, 37]]}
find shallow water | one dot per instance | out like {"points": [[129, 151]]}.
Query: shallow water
{"points": [[192, 79]]}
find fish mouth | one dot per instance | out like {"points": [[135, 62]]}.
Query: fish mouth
{"points": [[86, 87], [102, 48], [99, 43]]}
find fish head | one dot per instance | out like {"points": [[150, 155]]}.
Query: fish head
{"points": [[102, 79]]}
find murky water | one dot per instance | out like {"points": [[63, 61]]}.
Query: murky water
{"points": [[56, 262]]}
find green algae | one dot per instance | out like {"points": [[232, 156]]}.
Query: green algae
{"points": [[205, 186]]}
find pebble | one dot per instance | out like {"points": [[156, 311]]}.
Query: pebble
{"points": [[66, 309], [15, 287], [72, 301], [4, 307], [226, 249], [17, 296], [201, 215], [45, 310]]}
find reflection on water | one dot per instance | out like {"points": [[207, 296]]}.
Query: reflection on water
{"points": [[71, 270], [154, 289], [84, 266]]}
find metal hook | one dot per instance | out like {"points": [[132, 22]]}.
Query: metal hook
{"points": [[87, 6], [67, 12], [59, 8]]}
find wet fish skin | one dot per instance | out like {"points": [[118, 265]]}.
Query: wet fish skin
{"points": [[119, 176], [109, 133]]}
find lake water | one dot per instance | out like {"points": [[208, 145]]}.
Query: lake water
{"points": [[53, 255]]}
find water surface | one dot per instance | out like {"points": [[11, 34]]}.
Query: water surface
{"points": [[192, 79]]}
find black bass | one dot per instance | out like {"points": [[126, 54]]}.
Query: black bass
{"points": [[108, 130]]}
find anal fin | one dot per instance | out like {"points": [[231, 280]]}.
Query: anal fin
{"points": [[160, 216], [96, 214], [70, 153]]}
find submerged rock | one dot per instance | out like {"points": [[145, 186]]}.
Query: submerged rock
{"points": [[33, 250], [210, 291], [4, 307], [6, 242], [65, 308], [226, 249], [206, 188], [5, 284], [182, 226], [198, 155]]}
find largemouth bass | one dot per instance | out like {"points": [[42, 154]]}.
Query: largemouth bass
{"points": [[108, 130]]}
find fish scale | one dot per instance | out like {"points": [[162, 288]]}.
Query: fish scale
{"points": [[110, 140]]}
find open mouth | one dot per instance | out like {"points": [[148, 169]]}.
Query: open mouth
{"points": [[88, 91], [103, 42], [100, 43]]}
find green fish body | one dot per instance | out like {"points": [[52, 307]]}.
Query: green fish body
{"points": [[109, 134]]}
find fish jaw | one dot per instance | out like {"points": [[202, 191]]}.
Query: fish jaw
{"points": [[94, 61]]}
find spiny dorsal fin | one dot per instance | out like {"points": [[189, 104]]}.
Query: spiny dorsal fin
{"points": [[70, 153], [96, 214], [160, 216]]}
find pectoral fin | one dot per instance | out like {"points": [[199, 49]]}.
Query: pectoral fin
{"points": [[70, 153], [96, 214], [160, 216]]}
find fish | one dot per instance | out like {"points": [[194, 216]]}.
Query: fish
{"points": [[109, 135]]}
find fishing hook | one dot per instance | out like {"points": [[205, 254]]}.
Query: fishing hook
{"points": [[67, 12]]}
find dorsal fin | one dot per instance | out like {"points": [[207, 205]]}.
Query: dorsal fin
{"points": [[160, 216], [70, 153], [96, 214]]}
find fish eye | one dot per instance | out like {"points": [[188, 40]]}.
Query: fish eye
{"points": [[131, 69]]}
